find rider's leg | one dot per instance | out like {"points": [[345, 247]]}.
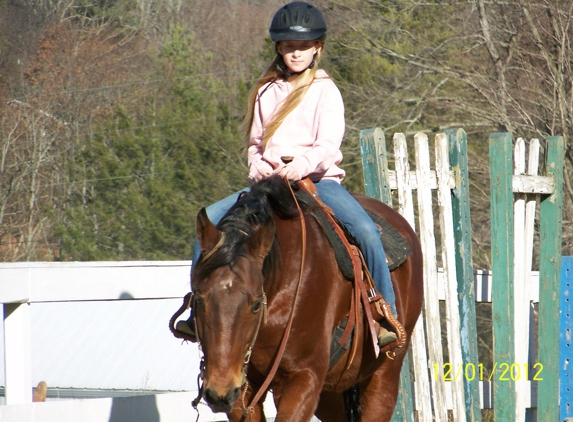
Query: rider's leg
{"points": [[367, 235], [215, 212]]}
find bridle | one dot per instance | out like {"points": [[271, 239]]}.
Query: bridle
{"points": [[263, 315]]}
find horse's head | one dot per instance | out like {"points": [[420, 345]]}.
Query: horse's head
{"points": [[229, 303]]}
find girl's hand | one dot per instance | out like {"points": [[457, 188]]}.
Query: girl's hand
{"points": [[260, 170], [289, 172]]}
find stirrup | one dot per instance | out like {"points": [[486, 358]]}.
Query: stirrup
{"points": [[185, 328], [385, 337]]}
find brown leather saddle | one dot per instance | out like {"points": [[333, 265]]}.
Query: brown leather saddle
{"points": [[364, 290]]}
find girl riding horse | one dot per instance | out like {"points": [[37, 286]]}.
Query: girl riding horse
{"points": [[294, 128]]}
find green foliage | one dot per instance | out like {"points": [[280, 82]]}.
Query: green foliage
{"points": [[147, 111], [148, 171]]}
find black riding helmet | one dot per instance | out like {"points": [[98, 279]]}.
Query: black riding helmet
{"points": [[298, 21]]}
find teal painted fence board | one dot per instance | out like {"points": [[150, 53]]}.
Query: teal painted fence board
{"points": [[501, 193], [464, 266], [375, 165], [550, 236]]}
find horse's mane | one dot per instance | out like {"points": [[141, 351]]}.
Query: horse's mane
{"points": [[266, 198]]}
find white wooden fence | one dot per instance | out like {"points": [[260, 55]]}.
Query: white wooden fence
{"points": [[24, 285]]}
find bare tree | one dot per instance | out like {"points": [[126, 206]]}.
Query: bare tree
{"points": [[29, 155], [483, 66]]}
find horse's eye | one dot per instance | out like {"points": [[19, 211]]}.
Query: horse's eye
{"points": [[256, 306], [199, 301]]}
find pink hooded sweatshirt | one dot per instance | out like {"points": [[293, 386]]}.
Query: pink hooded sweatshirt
{"points": [[311, 133]]}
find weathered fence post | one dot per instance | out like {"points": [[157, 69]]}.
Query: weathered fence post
{"points": [[375, 165], [464, 266], [431, 311], [550, 235], [502, 251]]}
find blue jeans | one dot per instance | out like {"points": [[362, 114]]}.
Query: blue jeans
{"points": [[354, 218]]}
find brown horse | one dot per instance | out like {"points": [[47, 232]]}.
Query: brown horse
{"points": [[253, 257]]}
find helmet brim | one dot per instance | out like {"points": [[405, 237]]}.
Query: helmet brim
{"points": [[278, 36]]}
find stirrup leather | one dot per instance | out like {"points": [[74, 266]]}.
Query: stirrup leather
{"points": [[378, 309], [381, 310]]}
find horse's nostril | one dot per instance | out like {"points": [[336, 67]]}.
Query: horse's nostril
{"points": [[233, 395], [210, 396], [221, 404]]}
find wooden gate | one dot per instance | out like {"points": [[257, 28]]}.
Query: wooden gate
{"points": [[463, 383]]}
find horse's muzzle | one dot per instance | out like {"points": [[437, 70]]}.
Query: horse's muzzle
{"points": [[221, 403]]}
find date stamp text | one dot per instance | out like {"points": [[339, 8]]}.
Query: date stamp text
{"points": [[502, 371]]}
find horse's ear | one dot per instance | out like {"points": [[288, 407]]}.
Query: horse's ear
{"points": [[207, 233], [260, 243]]}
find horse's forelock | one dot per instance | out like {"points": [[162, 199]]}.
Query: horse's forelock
{"points": [[252, 209]]}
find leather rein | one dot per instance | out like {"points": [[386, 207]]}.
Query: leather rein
{"points": [[263, 388], [189, 300]]}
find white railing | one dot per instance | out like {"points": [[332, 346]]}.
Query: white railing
{"points": [[22, 285]]}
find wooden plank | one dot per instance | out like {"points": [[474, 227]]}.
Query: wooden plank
{"points": [[501, 166], [15, 287], [530, 206], [403, 182], [418, 345], [461, 225], [17, 353], [449, 264], [532, 281], [520, 286], [431, 302], [92, 264], [375, 165], [550, 235], [433, 183], [526, 183], [522, 183], [565, 337]]}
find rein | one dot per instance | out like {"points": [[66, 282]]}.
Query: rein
{"points": [[263, 388]]}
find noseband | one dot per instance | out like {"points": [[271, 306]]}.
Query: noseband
{"points": [[262, 320]]}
